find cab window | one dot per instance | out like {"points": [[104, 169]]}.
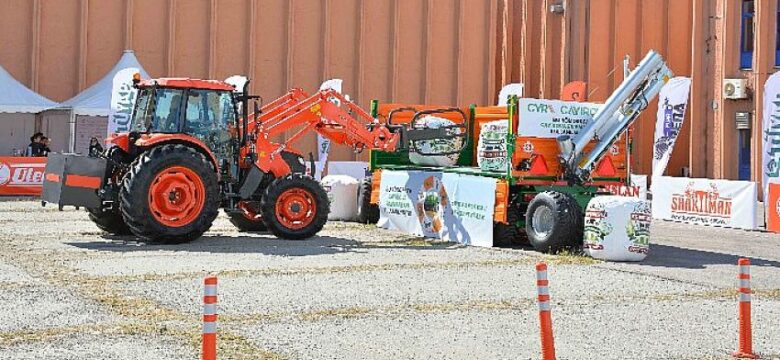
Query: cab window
{"points": [[208, 111], [160, 115]]}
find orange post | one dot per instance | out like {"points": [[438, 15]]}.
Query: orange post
{"points": [[545, 318], [745, 327], [210, 318]]}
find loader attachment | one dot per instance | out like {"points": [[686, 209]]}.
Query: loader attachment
{"points": [[417, 133], [74, 180]]}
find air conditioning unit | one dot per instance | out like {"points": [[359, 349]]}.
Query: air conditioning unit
{"points": [[735, 89]]}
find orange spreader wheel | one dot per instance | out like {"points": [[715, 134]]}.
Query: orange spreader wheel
{"points": [[296, 208], [176, 196]]}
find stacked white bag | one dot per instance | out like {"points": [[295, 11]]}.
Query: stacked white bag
{"points": [[436, 145], [491, 147], [617, 228], [342, 194]]}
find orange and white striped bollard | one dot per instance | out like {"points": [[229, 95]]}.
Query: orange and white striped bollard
{"points": [[545, 317], [210, 318], [745, 326]]}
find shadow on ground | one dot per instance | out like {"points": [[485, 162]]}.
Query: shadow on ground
{"points": [[677, 257], [252, 244]]}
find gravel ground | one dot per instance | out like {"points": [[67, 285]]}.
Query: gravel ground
{"points": [[357, 292]]}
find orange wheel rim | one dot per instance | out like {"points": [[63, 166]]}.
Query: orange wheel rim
{"points": [[177, 196], [296, 208]]}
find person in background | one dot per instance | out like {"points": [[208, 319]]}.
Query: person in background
{"points": [[34, 149], [95, 149], [45, 150]]}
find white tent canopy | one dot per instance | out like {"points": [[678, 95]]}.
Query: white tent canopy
{"points": [[96, 99], [17, 98]]}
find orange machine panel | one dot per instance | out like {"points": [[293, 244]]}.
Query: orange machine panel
{"points": [[539, 156]]}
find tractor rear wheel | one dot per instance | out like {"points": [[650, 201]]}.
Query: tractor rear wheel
{"points": [[109, 221], [295, 207], [554, 222], [170, 195], [367, 213], [248, 221]]}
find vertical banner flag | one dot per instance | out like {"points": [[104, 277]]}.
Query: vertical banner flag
{"points": [[671, 111], [122, 101], [770, 163], [509, 89], [323, 144]]}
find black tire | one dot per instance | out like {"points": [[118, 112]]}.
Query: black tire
{"points": [[318, 202], [135, 198], [563, 226], [367, 213], [244, 224], [508, 234], [109, 221]]}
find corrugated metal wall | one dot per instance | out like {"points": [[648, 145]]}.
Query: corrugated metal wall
{"points": [[433, 51], [546, 50]]}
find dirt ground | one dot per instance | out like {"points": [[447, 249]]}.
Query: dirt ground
{"points": [[358, 292]]}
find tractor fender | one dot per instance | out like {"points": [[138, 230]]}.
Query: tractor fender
{"points": [[151, 140]]}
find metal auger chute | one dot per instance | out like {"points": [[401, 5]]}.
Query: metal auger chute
{"points": [[620, 110]]}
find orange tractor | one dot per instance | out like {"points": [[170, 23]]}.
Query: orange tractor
{"points": [[194, 147]]}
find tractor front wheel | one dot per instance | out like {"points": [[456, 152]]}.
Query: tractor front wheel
{"points": [[554, 221], [295, 207], [170, 195]]}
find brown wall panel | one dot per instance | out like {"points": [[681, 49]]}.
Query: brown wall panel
{"points": [[191, 38], [409, 52], [150, 35], [59, 55], [232, 38], [104, 43], [16, 38]]}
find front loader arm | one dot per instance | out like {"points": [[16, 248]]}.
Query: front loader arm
{"points": [[327, 113]]}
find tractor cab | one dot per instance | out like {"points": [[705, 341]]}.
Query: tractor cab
{"points": [[202, 111]]}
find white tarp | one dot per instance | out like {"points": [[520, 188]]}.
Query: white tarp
{"points": [[355, 169], [122, 101], [770, 162], [96, 99], [552, 118], [323, 143], [452, 207], [17, 98], [637, 189], [672, 101], [705, 201], [509, 89]]}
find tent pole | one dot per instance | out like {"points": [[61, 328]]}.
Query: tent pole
{"points": [[72, 138]]}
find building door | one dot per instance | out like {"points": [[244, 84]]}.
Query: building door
{"points": [[744, 154]]}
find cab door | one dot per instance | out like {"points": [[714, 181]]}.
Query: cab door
{"points": [[209, 116]]}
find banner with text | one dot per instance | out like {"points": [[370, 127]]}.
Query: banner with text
{"points": [[673, 99], [552, 118], [122, 101], [21, 175], [770, 162], [451, 207], [637, 189], [705, 201]]}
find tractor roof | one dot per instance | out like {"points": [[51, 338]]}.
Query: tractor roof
{"points": [[187, 83]]}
